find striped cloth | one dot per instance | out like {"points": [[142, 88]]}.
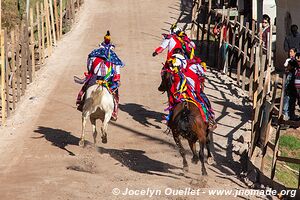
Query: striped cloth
{"points": [[108, 54], [297, 78]]}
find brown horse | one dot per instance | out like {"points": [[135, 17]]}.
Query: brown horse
{"points": [[186, 121]]}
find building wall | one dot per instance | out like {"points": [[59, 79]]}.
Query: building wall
{"points": [[287, 14]]}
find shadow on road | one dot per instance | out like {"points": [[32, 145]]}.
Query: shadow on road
{"points": [[140, 114], [57, 137], [137, 161]]}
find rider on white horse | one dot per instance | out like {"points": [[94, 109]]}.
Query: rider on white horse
{"points": [[103, 64]]}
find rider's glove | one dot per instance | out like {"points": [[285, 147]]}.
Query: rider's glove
{"points": [[154, 53]]}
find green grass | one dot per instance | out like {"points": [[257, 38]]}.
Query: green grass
{"points": [[290, 147], [286, 176], [290, 142]]}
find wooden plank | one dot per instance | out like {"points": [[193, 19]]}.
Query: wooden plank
{"points": [[269, 124], [13, 67], [7, 73], [43, 32], [289, 160], [52, 22], [276, 142], [244, 57], [275, 152], [60, 16], [3, 102], [56, 19], [194, 15], [254, 102], [39, 32], [239, 53], [32, 43]]}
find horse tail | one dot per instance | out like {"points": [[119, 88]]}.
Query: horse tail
{"points": [[184, 123], [93, 100]]}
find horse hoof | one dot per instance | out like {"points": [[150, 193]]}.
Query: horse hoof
{"points": [[185, 169], [195, 160], [104, 140], [204, 173], [210, 160], [81, 143]]}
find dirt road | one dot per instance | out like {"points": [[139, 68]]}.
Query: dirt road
{"points": [[40, 157]]}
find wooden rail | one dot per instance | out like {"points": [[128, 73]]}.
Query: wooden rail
{"points": [[252, 63], [24, 50]]}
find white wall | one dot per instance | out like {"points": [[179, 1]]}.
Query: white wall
{"points": [[283, 25]]}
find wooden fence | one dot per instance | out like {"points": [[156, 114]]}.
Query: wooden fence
{"points": [[24, 49], [251, 61]]}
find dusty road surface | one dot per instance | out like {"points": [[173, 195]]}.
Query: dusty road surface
{"points": [[40, 157]]}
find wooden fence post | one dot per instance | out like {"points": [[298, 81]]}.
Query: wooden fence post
{"points": [[269, 124], [254, 104], [32, 43], [7, 72], [276, 142], [245, 56], [52, 22], [240, 50], [43, 33], [18, 74], [3, 91], [39, 32], [13, 69], [198, 23], [208, 29], [60, 17], [252, 60], [56, 20], [233, 45], [28, 69], [23, 59], [48, 28]]}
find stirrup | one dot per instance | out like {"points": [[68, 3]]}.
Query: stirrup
{"points": [[212, 125], [114, 117]]}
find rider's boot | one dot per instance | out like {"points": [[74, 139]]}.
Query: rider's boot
{"points": [[114, 116], [212, 124]]}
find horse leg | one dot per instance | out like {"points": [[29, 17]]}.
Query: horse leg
{"points": [[201, 158], [93, 121], [182, 152], [209, 156], [107, 117], [195, 158], [81, 142]]}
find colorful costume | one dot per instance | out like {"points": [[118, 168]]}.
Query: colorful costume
{"points": [[103, 64], [187, 85], [176, 42]]}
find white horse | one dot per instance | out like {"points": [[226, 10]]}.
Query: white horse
{"points": [[98, 104]]}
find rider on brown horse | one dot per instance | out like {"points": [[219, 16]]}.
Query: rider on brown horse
{"points": [[187, 85]]}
